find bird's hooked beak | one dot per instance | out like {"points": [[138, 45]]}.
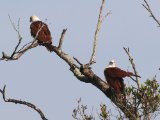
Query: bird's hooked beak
{"points": [[111, 64]]}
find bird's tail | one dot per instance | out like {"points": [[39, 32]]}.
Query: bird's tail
{"points": [[131, 74], [49, 46]]}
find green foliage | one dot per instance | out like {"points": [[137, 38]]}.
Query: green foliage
{"points": [[145, 99], [142, 102], [104, 114]]}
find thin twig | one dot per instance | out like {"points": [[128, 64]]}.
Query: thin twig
{"points": [[77, 61], [24, 46], [18, 54], [62, 38], [108, 13], [148, 8], [32, 45], [13, 24], [133, 79], [16, 48], [133, 65], [28, 104], [17, 29], [3, 92], [99, 24]]}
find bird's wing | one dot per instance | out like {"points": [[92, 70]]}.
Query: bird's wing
{"points": [[116, 72], [45, 29], [34, 28], [41, 28]]}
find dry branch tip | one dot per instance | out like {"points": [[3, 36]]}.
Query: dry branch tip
{"points": [[99, 24], [62, 38], [148, 8]]}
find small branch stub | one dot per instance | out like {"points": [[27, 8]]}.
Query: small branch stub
{"points": [[62, 38]]}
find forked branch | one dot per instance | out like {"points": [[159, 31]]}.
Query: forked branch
{"points": [[28, 104], [17, 29], [148, 8]]}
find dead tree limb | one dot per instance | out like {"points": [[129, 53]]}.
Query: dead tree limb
{"points": [[133, 65], [18, 54], [28, 104], [99, 24], [62, 38], [148, 8], [17, 29]]}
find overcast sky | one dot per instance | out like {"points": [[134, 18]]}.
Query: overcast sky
{"points": [[44, 79]]}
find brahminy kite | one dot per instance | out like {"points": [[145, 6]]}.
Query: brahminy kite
{"points": [[41, 32], [115, 75]]}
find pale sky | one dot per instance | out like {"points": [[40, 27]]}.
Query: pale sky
{"points": [[43, 79]]}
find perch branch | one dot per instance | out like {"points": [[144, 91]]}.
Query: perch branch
{"points": [[133, 65], [62, 38], [17, 54], [28, 104], [99, 24], [148, 8]]}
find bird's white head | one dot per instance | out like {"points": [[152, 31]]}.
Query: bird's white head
{"points": [[112, 63], [34, 18]]}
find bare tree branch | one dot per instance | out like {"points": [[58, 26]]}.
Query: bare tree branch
{"points": [[99, 24], [148, 8], [28, 104], [17, 29], [18, 32], [62, 38], [133, 65], [18, 54]]}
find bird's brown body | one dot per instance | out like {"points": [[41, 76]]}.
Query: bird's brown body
{"points": [[40, 31], [114, 77]]}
